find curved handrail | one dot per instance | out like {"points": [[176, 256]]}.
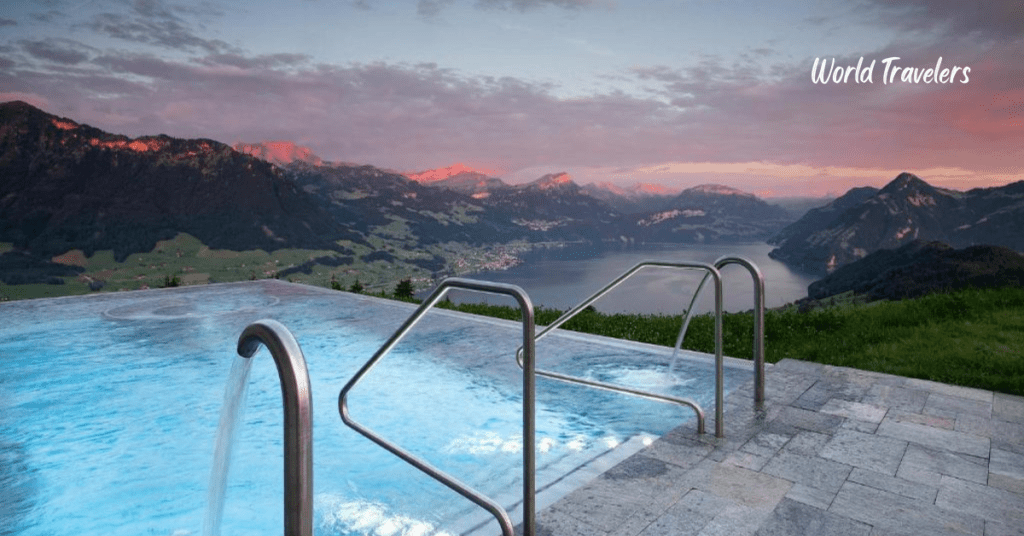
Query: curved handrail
{"points": [[298, 419], [758, 278], [710, 271], [529, 391]]}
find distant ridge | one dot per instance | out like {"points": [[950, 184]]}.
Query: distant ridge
{"points": [[712, 213], [921, 268], [865, 220]]}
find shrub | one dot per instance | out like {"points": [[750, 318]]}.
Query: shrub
{"points": [[404, 289]]}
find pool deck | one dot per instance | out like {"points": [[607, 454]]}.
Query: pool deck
{"points": [[835, 451]]}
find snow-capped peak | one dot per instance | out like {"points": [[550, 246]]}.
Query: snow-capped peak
{"points": [[552, 180], [434, 175], [718, 189], [279, 152]]}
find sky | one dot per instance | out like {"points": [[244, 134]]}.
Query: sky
{"points": [[678, 93]]}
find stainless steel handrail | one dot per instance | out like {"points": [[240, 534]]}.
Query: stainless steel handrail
{"points": [[758, 278], [529, 391], [710, 271], [298, 419]]}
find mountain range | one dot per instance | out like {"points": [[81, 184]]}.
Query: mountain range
{"points": [[865, 220], [69, 186], [72, 186]]}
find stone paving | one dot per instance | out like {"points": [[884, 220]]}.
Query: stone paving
{"points": [[834, 451]]}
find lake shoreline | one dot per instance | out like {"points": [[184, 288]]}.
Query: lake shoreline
{"points": [[562, 276]]}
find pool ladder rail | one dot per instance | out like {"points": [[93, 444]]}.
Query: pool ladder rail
{"points": [[298, 419], [529, 390], [710, 271]]}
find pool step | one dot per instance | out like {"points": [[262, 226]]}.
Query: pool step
{"points": [[571, 475]]}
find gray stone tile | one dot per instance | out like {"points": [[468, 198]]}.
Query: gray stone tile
{"points": [[979, 500], [1005, 435], [809, 420], [994, 528], [701, 502], [688, 516], [890, 513], [810, 496], [765, 444], [1007, 483], [746, 460], [899, 486], [680, 450], [809, 402], [746, 487], [1008, 408], [868, 451], [736, 520], [640, 466], [957, 405], [935, 421], [640, 487], [855, 410], [783, 389], [921, 464], [896, 397], [601, 509], [833, 385], [792, 518], [859, 426], [953, 390], [554, 523], [807, 443], [800, 367], [815, 472], [1006, 470], [853, 384], [636, 523], [942, 413], [935, 437]]}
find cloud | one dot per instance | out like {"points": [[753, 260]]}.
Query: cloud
{"points": [[48, 17], [64, 51], [1002, 19], [759, 107], [431, 8], [526, 5], [151, 22], [8, 22], [264, 61]]}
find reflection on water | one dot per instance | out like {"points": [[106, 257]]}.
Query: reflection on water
{"points": [[561, 278]]}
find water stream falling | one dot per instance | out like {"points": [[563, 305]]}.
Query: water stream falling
{"points": [[231, 415]]}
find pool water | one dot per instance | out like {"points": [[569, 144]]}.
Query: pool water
{"points": [[109, 407]]}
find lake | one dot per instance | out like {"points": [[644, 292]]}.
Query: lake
{"points": [[563, 277]]}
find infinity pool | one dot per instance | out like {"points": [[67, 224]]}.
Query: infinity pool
{"points": [[109, 407]]}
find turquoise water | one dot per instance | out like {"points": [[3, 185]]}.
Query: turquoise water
{"points": [[109, 406]]}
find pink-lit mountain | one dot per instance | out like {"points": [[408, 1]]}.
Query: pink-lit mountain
{"points": [[279, 152], [67, 186], [457, 170], [635, 199], [553, 180]]}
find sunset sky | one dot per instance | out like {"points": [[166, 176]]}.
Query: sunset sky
{"points": [[673, 92]]}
